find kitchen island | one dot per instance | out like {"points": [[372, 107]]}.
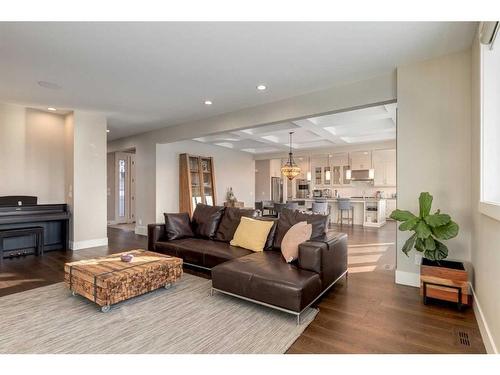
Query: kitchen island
{"points": [[368, 212]]}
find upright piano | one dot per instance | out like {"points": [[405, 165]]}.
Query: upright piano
{"points": [[24, 212]]}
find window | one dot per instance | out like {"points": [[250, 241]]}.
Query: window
{"points": [[490, 130]]}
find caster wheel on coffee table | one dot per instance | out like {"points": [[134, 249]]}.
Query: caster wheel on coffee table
{"points": [[168, 286], [105, 309]]}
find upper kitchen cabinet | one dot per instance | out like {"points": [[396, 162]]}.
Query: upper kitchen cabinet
{"points": [[384, 163], [303, 163], [340, 159], [340, 165], [361, 160], [321, 171]]}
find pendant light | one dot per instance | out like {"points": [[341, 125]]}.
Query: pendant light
{"points": [[290, 170]]}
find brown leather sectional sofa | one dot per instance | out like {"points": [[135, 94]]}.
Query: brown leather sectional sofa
{"points": [[263, 277]]}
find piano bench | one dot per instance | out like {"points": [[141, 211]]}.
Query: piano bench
{"points": [[22, 232]]}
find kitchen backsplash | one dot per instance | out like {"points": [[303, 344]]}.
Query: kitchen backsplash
{"points": [[357, 189]]}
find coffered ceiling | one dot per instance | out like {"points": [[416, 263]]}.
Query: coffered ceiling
{"points": [[373, 124], [149, 75]]}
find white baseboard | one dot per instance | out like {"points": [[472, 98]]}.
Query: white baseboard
{"points": [[79, 245], [141, 230], [489, 344], [408, 278]]}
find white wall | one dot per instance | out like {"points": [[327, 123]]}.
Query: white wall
{"points": [[357, 94], [434, 150], [60, 159], [31, 153], [485, 250], [262, 180], [87, 187], [110, 191], [232, 168]]}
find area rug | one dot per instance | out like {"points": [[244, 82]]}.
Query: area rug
{"points": [[183, 319]]}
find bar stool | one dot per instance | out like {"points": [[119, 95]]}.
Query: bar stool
{"points": [[278, 207], [345, 204], [292, 205]]}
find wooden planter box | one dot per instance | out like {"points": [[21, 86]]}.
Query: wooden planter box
{"points": [[446, 280]]}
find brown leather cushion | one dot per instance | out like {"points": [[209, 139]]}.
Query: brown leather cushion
{"points": [[319, 222], [272, 233], [201, 252], [205, 220], [230, 221], [288, 218], [266, 277], [178, 226]]}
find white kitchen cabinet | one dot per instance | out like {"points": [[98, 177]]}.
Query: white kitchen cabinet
{"points": [[340, 165], [384, 164], [361, 160], [337, 175], [390, 206], [340, 159], [319, 165]]}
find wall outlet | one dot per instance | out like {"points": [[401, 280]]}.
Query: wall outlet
{"points": [[418, 259]]}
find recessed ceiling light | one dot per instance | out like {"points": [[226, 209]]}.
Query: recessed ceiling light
{"points": [[261, 87], [107, 130], [49, 85], [51, 109], [208, 102]]}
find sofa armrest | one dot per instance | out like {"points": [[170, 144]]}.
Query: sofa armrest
{"points": [[156, 232], [326, 255]]}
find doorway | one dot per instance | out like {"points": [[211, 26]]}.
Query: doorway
{"points": [[121, 190]]}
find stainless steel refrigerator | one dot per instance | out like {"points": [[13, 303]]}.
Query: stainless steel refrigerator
{"points": [[277, 189]]}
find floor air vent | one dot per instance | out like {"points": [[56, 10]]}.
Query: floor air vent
{"points": [[463, 338]]}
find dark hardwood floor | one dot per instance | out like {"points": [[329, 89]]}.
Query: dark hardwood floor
{"points": [[368, 314]]}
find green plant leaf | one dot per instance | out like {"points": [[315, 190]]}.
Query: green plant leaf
{"points": [[447, 231], [425, 203], [439, 253], [419, 244], [409, 224], [437, 220], [410, 242], [422, 229], [429, 243], [401, 215]]}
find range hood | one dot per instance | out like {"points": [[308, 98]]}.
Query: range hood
{"points": [[360, 174]]}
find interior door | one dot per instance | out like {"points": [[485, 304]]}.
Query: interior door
{"points": [[125, 188]]}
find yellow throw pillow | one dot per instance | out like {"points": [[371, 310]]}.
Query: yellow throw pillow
{"points": [[251, 234]]}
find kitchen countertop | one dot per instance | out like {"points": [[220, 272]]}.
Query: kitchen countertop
{"points": [[354, 200]]}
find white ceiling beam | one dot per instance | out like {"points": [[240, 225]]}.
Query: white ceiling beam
{"points": [[319, 131], [352, 121], [259, 138], [391, 109]]}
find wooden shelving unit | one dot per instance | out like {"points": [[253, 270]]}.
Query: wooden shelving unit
{"points": [[196, 182]]}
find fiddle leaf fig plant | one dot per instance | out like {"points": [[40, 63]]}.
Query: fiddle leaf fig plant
{"points": [[428, 229]]}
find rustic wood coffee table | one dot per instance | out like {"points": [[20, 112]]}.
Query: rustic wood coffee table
{"points": [[108, 280]]}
